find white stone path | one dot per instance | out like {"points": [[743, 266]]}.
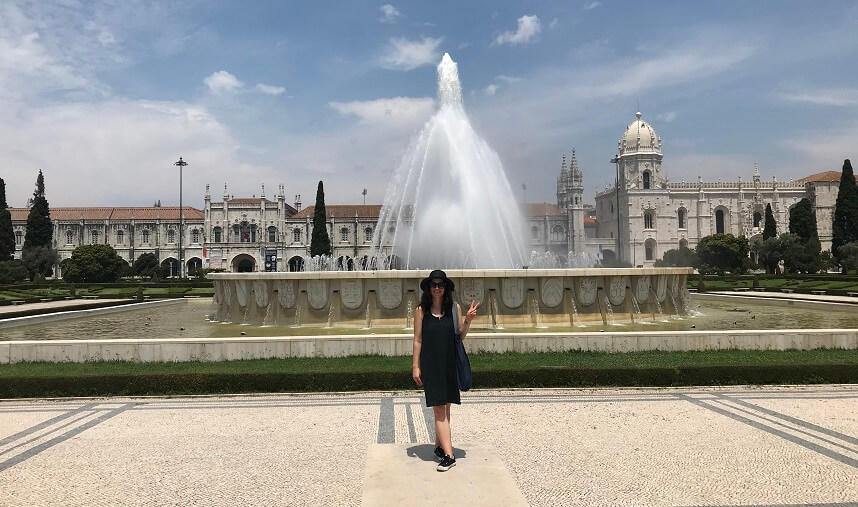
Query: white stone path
{"points": [[696, 446]]}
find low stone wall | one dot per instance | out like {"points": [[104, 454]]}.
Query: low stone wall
{"points": [[226, 349]]}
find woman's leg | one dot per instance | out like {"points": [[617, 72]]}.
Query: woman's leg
{"points": [[437, 439], [442, 429]]}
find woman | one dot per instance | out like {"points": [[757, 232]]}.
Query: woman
{"points": [[433, 364]]}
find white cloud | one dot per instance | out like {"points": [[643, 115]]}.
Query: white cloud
{"points": [[528, 27], [553, 23], [270, 89], [396, 111], [222, 81], [389, 13], [403, 54], [667, 117], [823, 97], [491, 89], [508, 79], [591, 5]]}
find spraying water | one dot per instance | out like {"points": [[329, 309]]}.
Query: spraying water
{"points": [[449, 204]]}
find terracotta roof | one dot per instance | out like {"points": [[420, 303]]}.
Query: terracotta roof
{"points": [[343, 211], [142, 213], [827, 176], [590, 222], [538, 209]]}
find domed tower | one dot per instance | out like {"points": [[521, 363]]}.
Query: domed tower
{"points": [[639, 153]]}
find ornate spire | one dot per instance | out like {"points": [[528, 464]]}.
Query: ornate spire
{"points": [[262, 195]]}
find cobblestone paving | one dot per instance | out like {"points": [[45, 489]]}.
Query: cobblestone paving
{"points": [[724, 446]]}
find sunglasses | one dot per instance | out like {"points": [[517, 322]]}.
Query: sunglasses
{"points": [[437, 285]]}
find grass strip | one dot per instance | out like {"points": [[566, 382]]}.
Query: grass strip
{"points": [[361, 373]]}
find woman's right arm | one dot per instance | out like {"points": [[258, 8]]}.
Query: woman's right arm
{"points": [[418, 344]]}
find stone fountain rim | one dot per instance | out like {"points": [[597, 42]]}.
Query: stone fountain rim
{"points": [[452, 273]]}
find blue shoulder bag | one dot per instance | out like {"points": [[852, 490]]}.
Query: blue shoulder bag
{"points": [[463, 366]]}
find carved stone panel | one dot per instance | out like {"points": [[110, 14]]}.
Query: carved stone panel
{"points": [[552, 292], [661, 288], [260, 293], [218, 289], [642, 288], [390, 293], [472, 290], [317, 293], [351, 293], [587, 289], [241, 292], [226, 293], [512, 292], [286, 293], [617, 290]]}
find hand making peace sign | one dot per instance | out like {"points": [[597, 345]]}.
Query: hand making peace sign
{"points": [[472, 311]]}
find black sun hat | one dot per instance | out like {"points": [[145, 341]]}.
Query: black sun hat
{"points": [[424, 284]]}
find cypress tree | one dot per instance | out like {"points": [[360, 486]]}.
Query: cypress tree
{"points": [[7, 236], [845, 221], [320, 244], [802, 220], [37, 254], [771, 228]]}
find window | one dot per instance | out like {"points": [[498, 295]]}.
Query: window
{"points": [[94, 237], [344, 234], [171, 236], [120, 237], [680, 215], [719, 221], [683, 243], [557, 233], [368, 234], [19, 238], [245, 233], [757, 218], [217, 234], [195, 236], [646, 178], [534, 232], [145, 236], [236, 234], [69, 237], [391, 230], [648, 220], [612, 207], [296, 235], [649, 249], [272, 234]]}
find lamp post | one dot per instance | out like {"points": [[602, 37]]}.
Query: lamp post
{"points": [[616, 161], [181, 163]]}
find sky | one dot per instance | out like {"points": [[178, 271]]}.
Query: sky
{"points": [[105, 95]]}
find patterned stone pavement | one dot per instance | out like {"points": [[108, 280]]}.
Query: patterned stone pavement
{"points": [[697, 446]]}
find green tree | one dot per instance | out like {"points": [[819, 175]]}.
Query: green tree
{"points": [[7, 235], [802, 220], [683, 256], [147, 266], [720, 253], [771, 228], [320, 244], [849, 257], [801, 256], [845, 221], [12, 271], [769, 254], [94, 264], [37, 254]]}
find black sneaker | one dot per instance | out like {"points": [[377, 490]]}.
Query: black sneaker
{"points": [[446, 463], [439, 453]]}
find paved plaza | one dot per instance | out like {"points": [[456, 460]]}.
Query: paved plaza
{"points": [[695, 446]]}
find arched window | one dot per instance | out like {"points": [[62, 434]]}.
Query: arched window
{"points": [[648, 220], [534, 232], [195, 236], [680, 217], [683, 243], [646, 178], [171, 236], [368, 234], [649, 249], [145, 236], [296, 235], [344, 234], [217, 234], [557, 233], [391, 230], [719, 221], [612, 207], [19, 238], [246, 234], [95, 237], [120, 237], [69, 237], [272, 234], [757, 218]]}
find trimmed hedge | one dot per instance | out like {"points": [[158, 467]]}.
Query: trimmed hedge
{"points": [[219, 383]]}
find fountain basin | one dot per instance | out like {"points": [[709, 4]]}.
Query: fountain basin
{"points": [[510, 297]]}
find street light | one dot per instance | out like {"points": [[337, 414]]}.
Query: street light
{"points": [[181, 163], [616, 162]]}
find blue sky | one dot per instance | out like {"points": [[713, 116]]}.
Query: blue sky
{"points": [[104, 95]]}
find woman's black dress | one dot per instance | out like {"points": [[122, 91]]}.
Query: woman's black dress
{"points": [[438, 360]]}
